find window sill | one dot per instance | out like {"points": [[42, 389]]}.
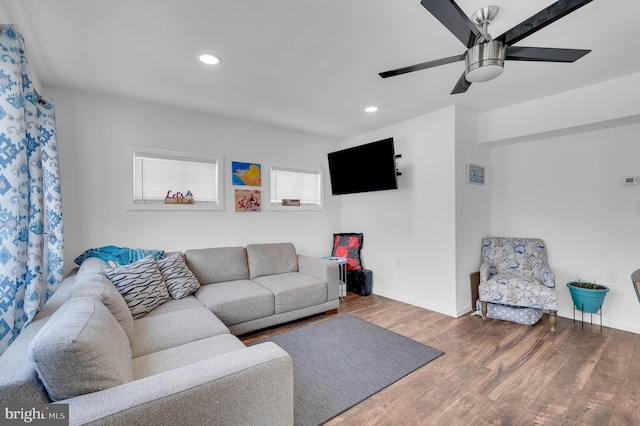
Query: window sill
{"points": [[173, 207]]}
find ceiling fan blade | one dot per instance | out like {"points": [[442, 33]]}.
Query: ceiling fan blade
{"points": [[423, 65], [461, 86], [540, 20], [454, 19], [544, 54]]}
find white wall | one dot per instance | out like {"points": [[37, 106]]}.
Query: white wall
{"points": [[92, 133], [423, 240], [568, 191], [409, 233], [473, 205]]}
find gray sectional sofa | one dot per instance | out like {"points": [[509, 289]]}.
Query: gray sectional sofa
{"points": [[180, 363]]}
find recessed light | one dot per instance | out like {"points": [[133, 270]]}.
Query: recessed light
{"points": [[371, 109], [210, 59]]}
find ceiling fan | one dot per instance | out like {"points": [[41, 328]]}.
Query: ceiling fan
{"points": [[485, 56]]}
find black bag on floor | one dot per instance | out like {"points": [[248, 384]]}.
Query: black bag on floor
{"points": [[351, 280], [363, 282]]}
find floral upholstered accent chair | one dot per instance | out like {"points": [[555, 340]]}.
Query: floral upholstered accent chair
{"points": [[515, 272]]}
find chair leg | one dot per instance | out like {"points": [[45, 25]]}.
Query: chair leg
{"points": [[484, 311], [553, 320]]}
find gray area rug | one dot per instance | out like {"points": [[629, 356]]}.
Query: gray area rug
{"points": [[340, 362]]}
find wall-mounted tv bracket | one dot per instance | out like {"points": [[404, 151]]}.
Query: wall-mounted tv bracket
{"points": [[398, 172]]}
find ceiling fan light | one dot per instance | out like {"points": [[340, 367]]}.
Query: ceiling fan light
{"points": [[484, 73], [484, 61]]}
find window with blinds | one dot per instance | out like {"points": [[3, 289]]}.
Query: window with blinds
{"points": [[157, 173], [291, 184]]}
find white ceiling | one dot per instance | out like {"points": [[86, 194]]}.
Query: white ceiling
{"points": [[308, 65]]}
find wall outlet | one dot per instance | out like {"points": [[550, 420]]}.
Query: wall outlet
{"points": [[611, 276], [398, 262]]}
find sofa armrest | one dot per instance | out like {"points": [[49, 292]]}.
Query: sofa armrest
{"points": [[484, 272], [323, 269], [249, 386], [548, 277]]}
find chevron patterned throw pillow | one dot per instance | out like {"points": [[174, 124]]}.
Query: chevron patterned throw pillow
{"points": [[141, 285], [180, 280]]}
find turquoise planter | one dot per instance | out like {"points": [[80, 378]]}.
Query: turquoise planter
{"points": [[588, 300]]}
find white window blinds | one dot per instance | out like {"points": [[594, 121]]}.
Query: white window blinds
{"points": [[305, 186], [155, 175]]}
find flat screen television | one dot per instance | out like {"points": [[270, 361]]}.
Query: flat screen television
{"points": [[363, 168]]}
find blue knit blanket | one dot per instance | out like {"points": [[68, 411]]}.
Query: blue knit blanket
{"points": [[119, 255]]}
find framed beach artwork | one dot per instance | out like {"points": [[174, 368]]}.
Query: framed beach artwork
{"points": [[475, 174], [248, 200], [246, 174]]}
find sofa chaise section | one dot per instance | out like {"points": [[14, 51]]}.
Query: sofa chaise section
{"points": [[177, 366], [253, 385], [180, 363]]}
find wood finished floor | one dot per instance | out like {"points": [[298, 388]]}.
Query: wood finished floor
{"points": [[498, 373]]}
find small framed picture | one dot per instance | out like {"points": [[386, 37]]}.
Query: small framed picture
{"points": [[246, 174], [475, 174], [248, 200]]}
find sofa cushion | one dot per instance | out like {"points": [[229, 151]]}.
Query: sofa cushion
{"points": [[81, 349], [159, 332], [179, 279], [141, 285], [214, 265], [237, 301], [106, 292], [518, 290], [294, 290], [189, 353], [270, 259], [176, 305]]}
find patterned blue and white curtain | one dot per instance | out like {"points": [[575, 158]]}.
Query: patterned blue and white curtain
{"points": [[31, 259]]}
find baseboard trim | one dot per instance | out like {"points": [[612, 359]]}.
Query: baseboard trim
{"points": [[419, 303], [618, 325]]}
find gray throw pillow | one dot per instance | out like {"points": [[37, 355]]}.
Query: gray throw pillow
{"points": [[141, 285], [81, 349], [179, 279]]}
